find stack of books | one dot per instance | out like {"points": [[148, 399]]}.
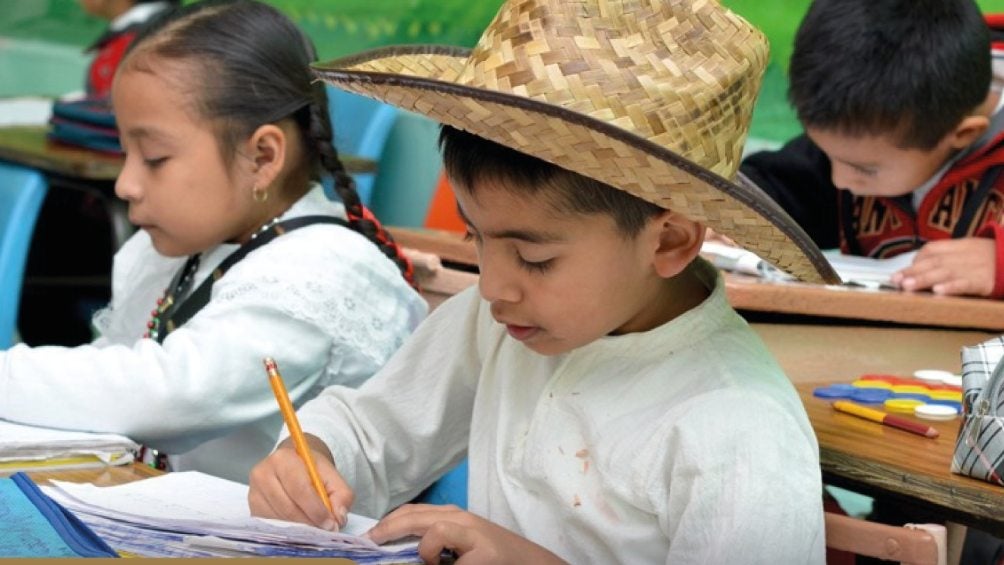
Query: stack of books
{"points": [[30, 448]]}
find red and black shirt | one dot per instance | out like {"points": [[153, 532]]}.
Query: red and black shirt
{"points": [[967, 201]]}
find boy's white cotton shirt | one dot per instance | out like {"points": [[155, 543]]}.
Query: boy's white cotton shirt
{"points": [[683, 444], [322, 300]]}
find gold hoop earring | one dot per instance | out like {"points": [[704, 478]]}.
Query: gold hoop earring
{"points": [[259, 195]]}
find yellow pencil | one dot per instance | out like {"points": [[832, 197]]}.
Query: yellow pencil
{"points": [[884, 418], [299, 442]]}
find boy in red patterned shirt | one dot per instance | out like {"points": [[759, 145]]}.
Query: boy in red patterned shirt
{"points": [[904, 139]]}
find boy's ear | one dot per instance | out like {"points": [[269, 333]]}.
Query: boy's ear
{"points": [[968, 131], [268, 145], [679, 242]]}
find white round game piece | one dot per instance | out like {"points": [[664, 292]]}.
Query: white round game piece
{"points": [[932, 375], [935, 412]]}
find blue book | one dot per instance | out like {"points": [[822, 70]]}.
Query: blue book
{"points": [[34, 525], [95, 111]]}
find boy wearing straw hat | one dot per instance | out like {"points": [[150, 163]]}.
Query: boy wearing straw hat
{"points": [[612, 405]]}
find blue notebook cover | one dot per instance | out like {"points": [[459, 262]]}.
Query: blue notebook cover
{"points": [[34, 525], [93, 111]]}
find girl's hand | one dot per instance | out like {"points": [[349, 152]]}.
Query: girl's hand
{"points": [[952, 266], [448, 528], [281, 487]]}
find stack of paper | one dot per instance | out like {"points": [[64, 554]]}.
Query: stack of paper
{"points": [[191, 514], [24, 448]]}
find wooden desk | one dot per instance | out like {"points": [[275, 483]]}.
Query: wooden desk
{"points": [[921, 309], [879, 460], [28, 145], [752, 294], [93, 171], [871, 458], [815, 352]]}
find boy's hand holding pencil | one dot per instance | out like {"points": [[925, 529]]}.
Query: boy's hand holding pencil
{"points": [[298, 482]]}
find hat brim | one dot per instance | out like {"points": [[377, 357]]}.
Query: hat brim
{"points": [[422, 79]]}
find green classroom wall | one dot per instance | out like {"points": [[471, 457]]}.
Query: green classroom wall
{"points": [[40, 40], [41, 43]]}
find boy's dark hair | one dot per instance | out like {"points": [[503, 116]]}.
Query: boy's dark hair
{"points": [[247, 66], [911, 68], [470, 160]]}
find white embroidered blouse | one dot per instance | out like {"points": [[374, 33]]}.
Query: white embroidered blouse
{"points": [[322, 300]]}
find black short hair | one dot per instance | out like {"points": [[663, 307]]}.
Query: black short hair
{"points": [[470, 160], [911, 68]]}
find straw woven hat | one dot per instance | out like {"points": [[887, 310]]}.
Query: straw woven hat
{"points": [[653, 97]]}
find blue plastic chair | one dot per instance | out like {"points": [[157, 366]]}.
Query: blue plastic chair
{"points": [[361, 127], [451, 488], [21, 193], [409, 171]]}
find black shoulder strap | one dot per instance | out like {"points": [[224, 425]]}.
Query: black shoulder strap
{"points": [[200, 296], [975, 202]]}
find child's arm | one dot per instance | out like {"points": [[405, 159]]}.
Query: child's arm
{"points": [[409, 423], [281, 488], [206, 379], [450, 529], [737, 481], [968, 266]]}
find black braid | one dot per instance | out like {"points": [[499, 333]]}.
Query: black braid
{"points": [[321, 135]]}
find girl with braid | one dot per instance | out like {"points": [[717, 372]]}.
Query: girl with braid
{"points": [[240, 255]]}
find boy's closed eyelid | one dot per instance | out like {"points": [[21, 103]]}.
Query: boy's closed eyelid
{"points": [[536, 266]]}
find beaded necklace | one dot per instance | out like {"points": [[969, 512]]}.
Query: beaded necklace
{"points": [[173, 295], [179, 287]]}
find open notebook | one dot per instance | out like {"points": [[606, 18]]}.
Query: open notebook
{"points": [[191, 514], [853, 270], [31, 448]]}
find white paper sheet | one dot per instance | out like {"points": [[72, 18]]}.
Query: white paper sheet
{"points": [[204, 510], [866, 271], [25, 111], [30, 447]]}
